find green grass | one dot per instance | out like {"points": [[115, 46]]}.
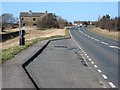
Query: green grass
{"points": [[11, 52]]}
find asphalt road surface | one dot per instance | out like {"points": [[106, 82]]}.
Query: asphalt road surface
{"points": [[101, 51], [61, 65]]}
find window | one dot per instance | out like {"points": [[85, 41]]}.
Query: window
{"points": [[24, 24], [34, 19], [34, 24], [22, 18]]}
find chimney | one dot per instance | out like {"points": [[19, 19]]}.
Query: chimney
{"points": [[30, 11], [46, 11]]}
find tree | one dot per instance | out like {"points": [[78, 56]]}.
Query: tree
{"points": [[62, 22], [47, 20], [6, 19]]}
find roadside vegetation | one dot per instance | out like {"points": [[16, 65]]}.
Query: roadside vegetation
{"points": [[12, 51], [107, 27], [48, 27], [105, 33]]}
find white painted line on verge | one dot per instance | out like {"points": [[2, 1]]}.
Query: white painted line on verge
{"points": [[99, 70], [105, 77], [111, 84], [89, 59], [95, 66], [92, 62]]}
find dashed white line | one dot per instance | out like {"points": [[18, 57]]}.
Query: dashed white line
{"points": [[92, 38], [97, 40], [111, 84], [114, 47], [99, 70], [88, 36], [89, 59], [104, 43], [95, 66], [87, 56], [92, 62], [105, 77]]}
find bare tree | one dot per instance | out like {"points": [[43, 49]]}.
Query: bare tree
{"points": [[62, 22], [6, 19]]}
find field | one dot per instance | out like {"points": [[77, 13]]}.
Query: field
{"points": [[11, 47], [32, 33]]}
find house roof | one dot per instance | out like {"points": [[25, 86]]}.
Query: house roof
{"points": [[30, 14]]}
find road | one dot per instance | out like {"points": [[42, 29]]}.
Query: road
{"points": [[61, 65], [102, 52]]}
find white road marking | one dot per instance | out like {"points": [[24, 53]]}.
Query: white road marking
{"points": [[105, 77], [89, 59], [111, 84], [88, 36], [97, 40], [99, 70], [104, 43], [114, 47], [92, 38], [87, 56], [95, 66], [92, 62]]}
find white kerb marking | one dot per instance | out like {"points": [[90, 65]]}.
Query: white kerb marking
{"points": [[111, 84], [99, 70], [95, 66], [105, 77]]}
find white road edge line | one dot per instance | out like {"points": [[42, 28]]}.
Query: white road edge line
{"points": [[105, 77], [112, 85]]}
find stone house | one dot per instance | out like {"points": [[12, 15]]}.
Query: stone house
{"points": [[30, 18]]}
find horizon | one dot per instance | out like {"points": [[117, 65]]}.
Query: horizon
{"points": [[71, 11]]}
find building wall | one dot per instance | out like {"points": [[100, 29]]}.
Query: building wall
{"points": [[29, 21]]}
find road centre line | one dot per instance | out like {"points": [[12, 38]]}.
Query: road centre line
{"points": [[112, 85]]}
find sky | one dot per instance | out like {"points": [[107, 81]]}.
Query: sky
{"points": [[70, 11]]}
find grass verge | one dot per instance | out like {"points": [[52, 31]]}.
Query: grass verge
{"points": [[105, 33], [11, 52]]}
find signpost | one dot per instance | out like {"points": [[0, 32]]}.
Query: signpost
{"points": [[21, 33]]}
